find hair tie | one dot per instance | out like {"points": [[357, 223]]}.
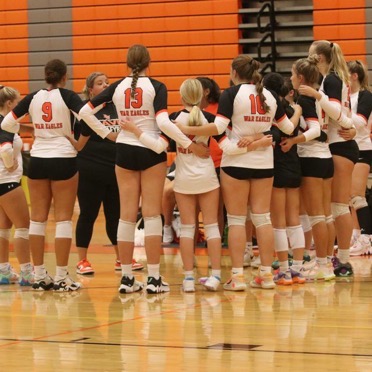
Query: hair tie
{"points": [[331, 45]]}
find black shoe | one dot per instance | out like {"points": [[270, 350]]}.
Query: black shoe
{"points": [[156, 285], [343, 269], [130, 285]]}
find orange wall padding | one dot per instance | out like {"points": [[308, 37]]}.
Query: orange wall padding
{"points": [[14, 45], [343, 22], [185, 39]]}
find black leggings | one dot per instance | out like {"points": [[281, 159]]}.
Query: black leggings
{"points": [[95, 189]]}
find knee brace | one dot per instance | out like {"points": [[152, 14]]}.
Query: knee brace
{"points": [[296, 237], [281, 241], [305, 223], [21, 233], [339, 209], [316, 219], [358, 202], [261, 219], [187, 231], [37, 228], [329, 219], [64, 229], [212, 231], [126, 231], [5, 234], [233, 220], [153, 226]]}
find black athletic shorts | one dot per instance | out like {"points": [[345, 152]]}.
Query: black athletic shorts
{"points": [[137, 158], [365, 156], [281, 181], [7, 187], [347, 149], [317, 167], [54, 169], [248, 173]]}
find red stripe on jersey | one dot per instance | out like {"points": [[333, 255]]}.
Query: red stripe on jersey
{"points": [[14, 115], [312, 119], [161, 111], [363, 117], [91, 105], [281, 119], [164, 138], [222, 139]]}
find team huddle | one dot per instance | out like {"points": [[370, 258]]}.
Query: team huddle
{"points": [[293, 162]]}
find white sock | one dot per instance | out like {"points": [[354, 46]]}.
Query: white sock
{"points": [[4, 266], [343, 255], [26, 267], [61, 272], [189, 274], [126, 270], [217, 274], [153, 270], [265, 270], [40, 271], [284, 266], [237, 271], [322, 261]]}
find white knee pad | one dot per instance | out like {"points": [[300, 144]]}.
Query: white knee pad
{"points": [[37, 228], [316, 219], [296, 237], [233, 220], [153, 226], [339, 209], [329, 219], [305, 223], [187, 231], [21, 233], [5, 234], [281, 241], [358, 202], [126, 231], [64, 229], [261, 219], [212, 231]]}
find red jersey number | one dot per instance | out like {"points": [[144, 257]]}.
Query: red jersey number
{"points": [[135, 102], [256, 105], [47, 110]]}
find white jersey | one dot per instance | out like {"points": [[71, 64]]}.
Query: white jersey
{"points": [[335, 105], [241, 105], [361, 107], [52, 117], [194, 175]]}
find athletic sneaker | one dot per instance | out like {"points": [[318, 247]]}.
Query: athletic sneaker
{"points": [[135, 265], [297, 277], [247, 256], [8, 276], [130, 285], [66, 285], [341, 269], [211, 283], [167, 234], [235, 283], [43, 284], [188, 285], [156, 285], [283, 278], [319, 273], [84, 267], [265, 281], [256, 262], [361, 246], [26, 278]]}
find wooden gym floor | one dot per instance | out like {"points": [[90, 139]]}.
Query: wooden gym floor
{"points": [[318, 326]]}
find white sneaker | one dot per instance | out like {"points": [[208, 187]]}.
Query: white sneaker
{"points": [[211, 284], [256, 262], [235, 283], [167, 234], [66, 285], [188, 285], [248, 254], [361, 246], [320, 273]]}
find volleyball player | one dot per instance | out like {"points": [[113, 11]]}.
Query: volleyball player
{"points": [[52, 172], [361, 107], [247, 178], [97, 179], [333, 99], [13, 204], [140, 170]]}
